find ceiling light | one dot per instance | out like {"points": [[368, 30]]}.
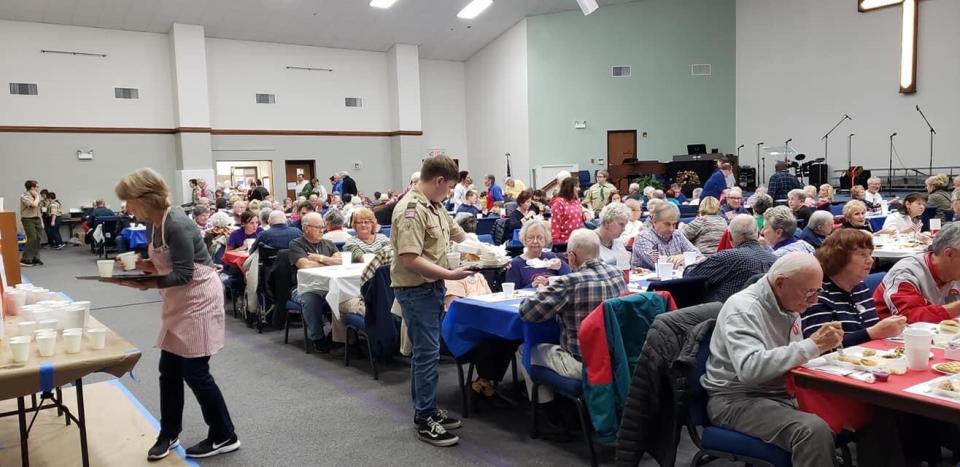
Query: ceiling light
{"points": [[588, 6], [474, 8], [382, 3]]}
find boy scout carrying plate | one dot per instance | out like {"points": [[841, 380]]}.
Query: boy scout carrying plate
{"points": [[421, 234]]}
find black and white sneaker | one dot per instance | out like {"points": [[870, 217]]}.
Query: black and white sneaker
{"points": [[26, 264], [432, 432], [446, 421], [209, 448], [37, 262], [161, 448]]}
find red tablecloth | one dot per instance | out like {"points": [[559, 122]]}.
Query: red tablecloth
{"points": [[235, 258], [839, 411]]}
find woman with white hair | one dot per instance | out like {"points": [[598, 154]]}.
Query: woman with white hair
{"points": [[779, 225], [662, 242], [634, 226], [535, 265], [937, 194], [613, 221]]}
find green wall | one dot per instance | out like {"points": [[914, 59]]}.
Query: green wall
{"points": [[569, 79]]}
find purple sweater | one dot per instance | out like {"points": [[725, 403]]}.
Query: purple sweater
{"points": [[522, 275]]}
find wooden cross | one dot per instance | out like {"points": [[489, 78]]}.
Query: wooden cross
{"points": [[908, 39]]}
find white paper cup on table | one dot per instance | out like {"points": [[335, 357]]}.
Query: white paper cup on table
{"points": [[41, 314], [50, 324], [346, 258], [368, 258], [72, 338], [98, 338], [74, 317], [508, 289], [14, 301], [26, 328], [689, 257], [47, 344], [916, 344], [665, 271], [129, 260], [20, 348], [897, 366], [453, 260], [105, 267]]}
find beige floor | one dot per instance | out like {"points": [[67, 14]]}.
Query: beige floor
{"points": [[117, 433]]}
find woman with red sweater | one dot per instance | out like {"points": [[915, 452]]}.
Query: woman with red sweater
{"points": [[566, 212]]}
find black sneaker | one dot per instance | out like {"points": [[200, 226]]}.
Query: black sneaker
{"points": [[37, 262], [321, 346], [59, 246], [432, 432], [446, 421], [162, 447], [209, 448], [26, 264]]}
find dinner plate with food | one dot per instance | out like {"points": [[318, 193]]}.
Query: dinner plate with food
{"points": [[865, 359], [947, 387], [947, 368]]}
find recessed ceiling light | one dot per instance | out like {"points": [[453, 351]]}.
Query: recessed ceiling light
{"points": [[382, 3], [588, 6], [474, 8]]}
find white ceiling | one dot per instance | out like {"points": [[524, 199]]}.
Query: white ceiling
{"points": [[349, 24]]}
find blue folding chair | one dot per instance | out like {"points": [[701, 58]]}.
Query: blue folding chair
{"points": [[929, 213], [295, 309], [485, 225], [836, 209], [873, 281], [720, 443], [485, 238]]}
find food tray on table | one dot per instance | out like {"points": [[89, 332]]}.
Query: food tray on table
{"points": [[481, 265], [864, 359], [120, 277]]}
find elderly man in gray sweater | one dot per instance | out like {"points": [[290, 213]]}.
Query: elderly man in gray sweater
{"points": [[757, 340]]}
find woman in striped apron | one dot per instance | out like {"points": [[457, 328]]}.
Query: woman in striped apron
{"points": [[192, 315]]}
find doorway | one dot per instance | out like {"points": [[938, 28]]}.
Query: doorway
{"points": [[241, 173], [292, 169], [621, 150]]}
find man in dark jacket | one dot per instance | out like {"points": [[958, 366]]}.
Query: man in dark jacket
{"points": [[727, 271], [818, 228], [257, 191], [349, 184]]}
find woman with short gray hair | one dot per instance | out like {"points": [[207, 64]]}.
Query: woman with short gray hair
{"points": [[613, 221], [536, 265], [779, 225], [334, 230], [662, 240]]}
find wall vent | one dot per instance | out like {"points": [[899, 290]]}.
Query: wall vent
{"points": [[266, 99], [353, 102], [622, 71], [126, 93], [25, 89], [701, 69]]}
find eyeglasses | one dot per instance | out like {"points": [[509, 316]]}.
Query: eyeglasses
{"points": [[363, 222], [812, 292], [307, 226]]}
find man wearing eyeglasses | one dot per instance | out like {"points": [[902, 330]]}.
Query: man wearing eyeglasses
{"points": [[733, 204], [311, 251], [757, 340]]}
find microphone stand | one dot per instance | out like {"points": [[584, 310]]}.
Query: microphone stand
{"points": [[850, 160], [932, 132], [763, 166], [826, 145], [890, 169]]}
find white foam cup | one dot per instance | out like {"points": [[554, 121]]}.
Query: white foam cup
{"points": [[26, 328], [665, 271], [129, 260], [47, 344], [50, 324], [20, 348], [689, 257], [916, 344], [508, 289], [105, 267], [368, 257], [453, 260], [72, 339], [98, 337], [346, 258]]}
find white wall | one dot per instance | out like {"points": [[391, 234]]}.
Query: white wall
{"points": [[78, 90], [306, 100], [802, 64], [497, 106], [443, 104]]}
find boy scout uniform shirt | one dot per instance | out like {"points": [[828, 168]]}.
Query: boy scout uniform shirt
{"points": [[423, 228], [27, 210]]}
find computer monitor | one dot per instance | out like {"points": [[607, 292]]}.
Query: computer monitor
{"points": [[696, 149]]}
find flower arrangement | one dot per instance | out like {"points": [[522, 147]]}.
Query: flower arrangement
{"points": [[688, 178]]}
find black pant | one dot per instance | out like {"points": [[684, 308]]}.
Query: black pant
{"points": [[174, 370], [53, 234], [492, 357]]}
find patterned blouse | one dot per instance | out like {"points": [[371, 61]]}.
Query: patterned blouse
{"points": [[566, 216], [358, 247], [705, 233], [648, 247]]}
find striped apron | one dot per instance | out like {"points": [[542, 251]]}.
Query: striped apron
{"points": [[192, 315]]}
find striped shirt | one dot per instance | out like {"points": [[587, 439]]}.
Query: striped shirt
{"points": [[358, 247], [705, 232], [854, 311], [649, 247], [790, 245]]}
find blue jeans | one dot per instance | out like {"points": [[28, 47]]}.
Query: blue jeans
{"points": [[422, 310], [315, 313]]}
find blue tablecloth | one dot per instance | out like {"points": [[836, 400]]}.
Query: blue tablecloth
{"points": [[876, 222], [134, 238], [469, 322]]}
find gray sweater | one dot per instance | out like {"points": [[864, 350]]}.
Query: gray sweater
{"points": [[754, 345], [186, 247]]}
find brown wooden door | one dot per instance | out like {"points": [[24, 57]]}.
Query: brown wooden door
{"points": [[294, 167], [621, 144]]}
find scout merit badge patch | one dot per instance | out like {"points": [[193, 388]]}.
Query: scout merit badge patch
{"points": [[411, 211]]}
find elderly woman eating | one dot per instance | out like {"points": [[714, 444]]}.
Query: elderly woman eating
{"points": [[706, 230], [855, 216], [846, 258], [535, 266], [613, 221], [662, 240], [367, 240]]}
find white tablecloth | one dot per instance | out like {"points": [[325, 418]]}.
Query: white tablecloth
{"points": [[340, 282], [891, 248]]}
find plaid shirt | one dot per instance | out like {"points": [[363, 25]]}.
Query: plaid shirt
{"points": [[572, 297], [781, 183], [728, 270], [648, 247]]}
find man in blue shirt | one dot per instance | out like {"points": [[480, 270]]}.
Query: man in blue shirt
{"points": [[718, 181], [494, 192], [782, 182], [279, 234]]}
